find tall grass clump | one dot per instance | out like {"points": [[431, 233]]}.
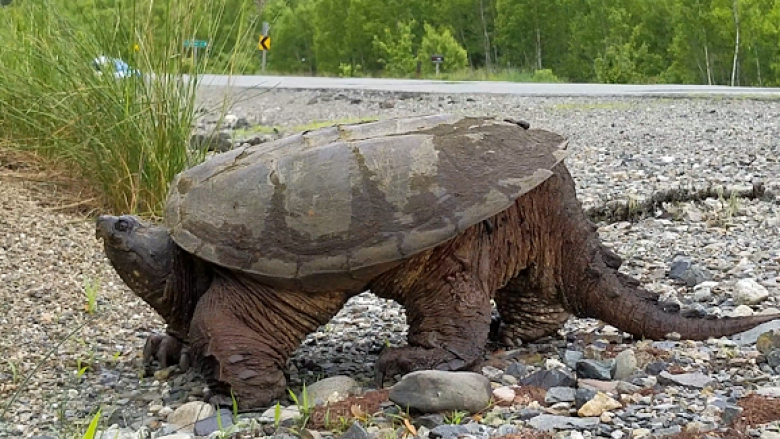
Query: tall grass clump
{"points": [[124, 137]]}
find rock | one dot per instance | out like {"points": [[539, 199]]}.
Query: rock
{"points": [[177, 436], [549, 378], [683, 269], [553, 422], [286, 413], [581, 396], [559, 394], [504, 394], [730, 413], [435, 391], [598, 370], [598, 405], [517, 369], [387, 104], [768, 341], [188, 414], [751, 336], [241, 123], [749, 292], [598, 385], [331, 389], [695, 380], [769, 435], [571, 357], [221, 420], [625, 364], [116, 432], [741, 311], [492, 373], [356, 431], [626, 387], [219, 142], [640, 432], [703, 291], [770, 392], [430, 420], [656, 367], [506, 430], [448, 431], [773, 358]]}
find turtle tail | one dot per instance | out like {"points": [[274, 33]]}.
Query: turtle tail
{"points": [[619, 300]]}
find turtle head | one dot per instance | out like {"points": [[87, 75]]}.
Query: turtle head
{"points": [[141, 253]]}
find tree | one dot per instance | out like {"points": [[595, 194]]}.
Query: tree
{"points": [[397, 50], [440, 41]]}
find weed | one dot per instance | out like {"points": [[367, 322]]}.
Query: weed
{"points": [[303, 405], [277, 415], [455, 418], [14, 371], [91, 288], [93, 424]]}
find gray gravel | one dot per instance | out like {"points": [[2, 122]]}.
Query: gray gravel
{"points": [[621, 149]]}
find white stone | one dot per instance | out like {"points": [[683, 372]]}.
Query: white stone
{"points": [[741, 311], [504, 394], [749, 292], [187, 415]]}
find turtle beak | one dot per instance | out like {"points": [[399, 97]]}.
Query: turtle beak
{"points": [[104, 226]]}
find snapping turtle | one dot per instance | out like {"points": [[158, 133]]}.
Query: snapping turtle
{"points": [[262, 245]]}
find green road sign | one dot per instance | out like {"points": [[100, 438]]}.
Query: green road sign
{"points": [[196, 43]]}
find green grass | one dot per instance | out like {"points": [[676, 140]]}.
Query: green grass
{"points": [[504, 74], [124, 138]]}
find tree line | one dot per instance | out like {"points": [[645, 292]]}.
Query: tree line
{"points": [[734, 42], [730, 42]]}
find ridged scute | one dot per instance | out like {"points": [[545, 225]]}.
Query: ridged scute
{"points": [[340, 204]]}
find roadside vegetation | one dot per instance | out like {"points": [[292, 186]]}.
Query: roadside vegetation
{"points": [[123, 137]]}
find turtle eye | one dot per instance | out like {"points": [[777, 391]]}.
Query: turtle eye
{"points": [[122, 225]]}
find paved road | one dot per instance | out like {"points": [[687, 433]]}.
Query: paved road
{"points": [[453, 87]]}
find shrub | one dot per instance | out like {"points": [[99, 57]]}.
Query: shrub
{"points": [[125, 137]]}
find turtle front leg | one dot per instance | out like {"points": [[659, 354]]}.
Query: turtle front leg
{"points": [[448, 311], [243, 332]]}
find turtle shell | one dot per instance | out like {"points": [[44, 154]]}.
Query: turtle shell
{"points": [[334, 207]]}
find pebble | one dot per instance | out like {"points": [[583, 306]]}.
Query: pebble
{"points": [[331, 389], [696, 380], [435, 391], [598, 405], [749, 292]]}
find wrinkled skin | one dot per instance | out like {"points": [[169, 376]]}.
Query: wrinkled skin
{"points": [[541, 260]]}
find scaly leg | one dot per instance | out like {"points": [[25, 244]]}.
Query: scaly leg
{"points": [[243, 333], [448, 311], [528, 310]]}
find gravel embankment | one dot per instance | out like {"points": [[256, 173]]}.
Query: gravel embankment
{"points": [[621, 149]]}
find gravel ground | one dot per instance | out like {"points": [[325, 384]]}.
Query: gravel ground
{"points": [[621, 149]]}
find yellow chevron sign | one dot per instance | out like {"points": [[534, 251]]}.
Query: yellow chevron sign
{"points": [[265, 43]]}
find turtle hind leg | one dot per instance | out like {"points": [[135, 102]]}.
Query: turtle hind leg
{"points": [[528, 310], [243, 332], [447, 308]]}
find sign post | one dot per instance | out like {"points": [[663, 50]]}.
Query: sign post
{"points": [[264, 44], [437, 59]]}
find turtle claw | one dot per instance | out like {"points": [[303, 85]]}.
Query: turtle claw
{"points": [[166, 350], [400, 361]]}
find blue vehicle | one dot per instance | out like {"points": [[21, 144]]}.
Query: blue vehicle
{"points": [[118, 67]]}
